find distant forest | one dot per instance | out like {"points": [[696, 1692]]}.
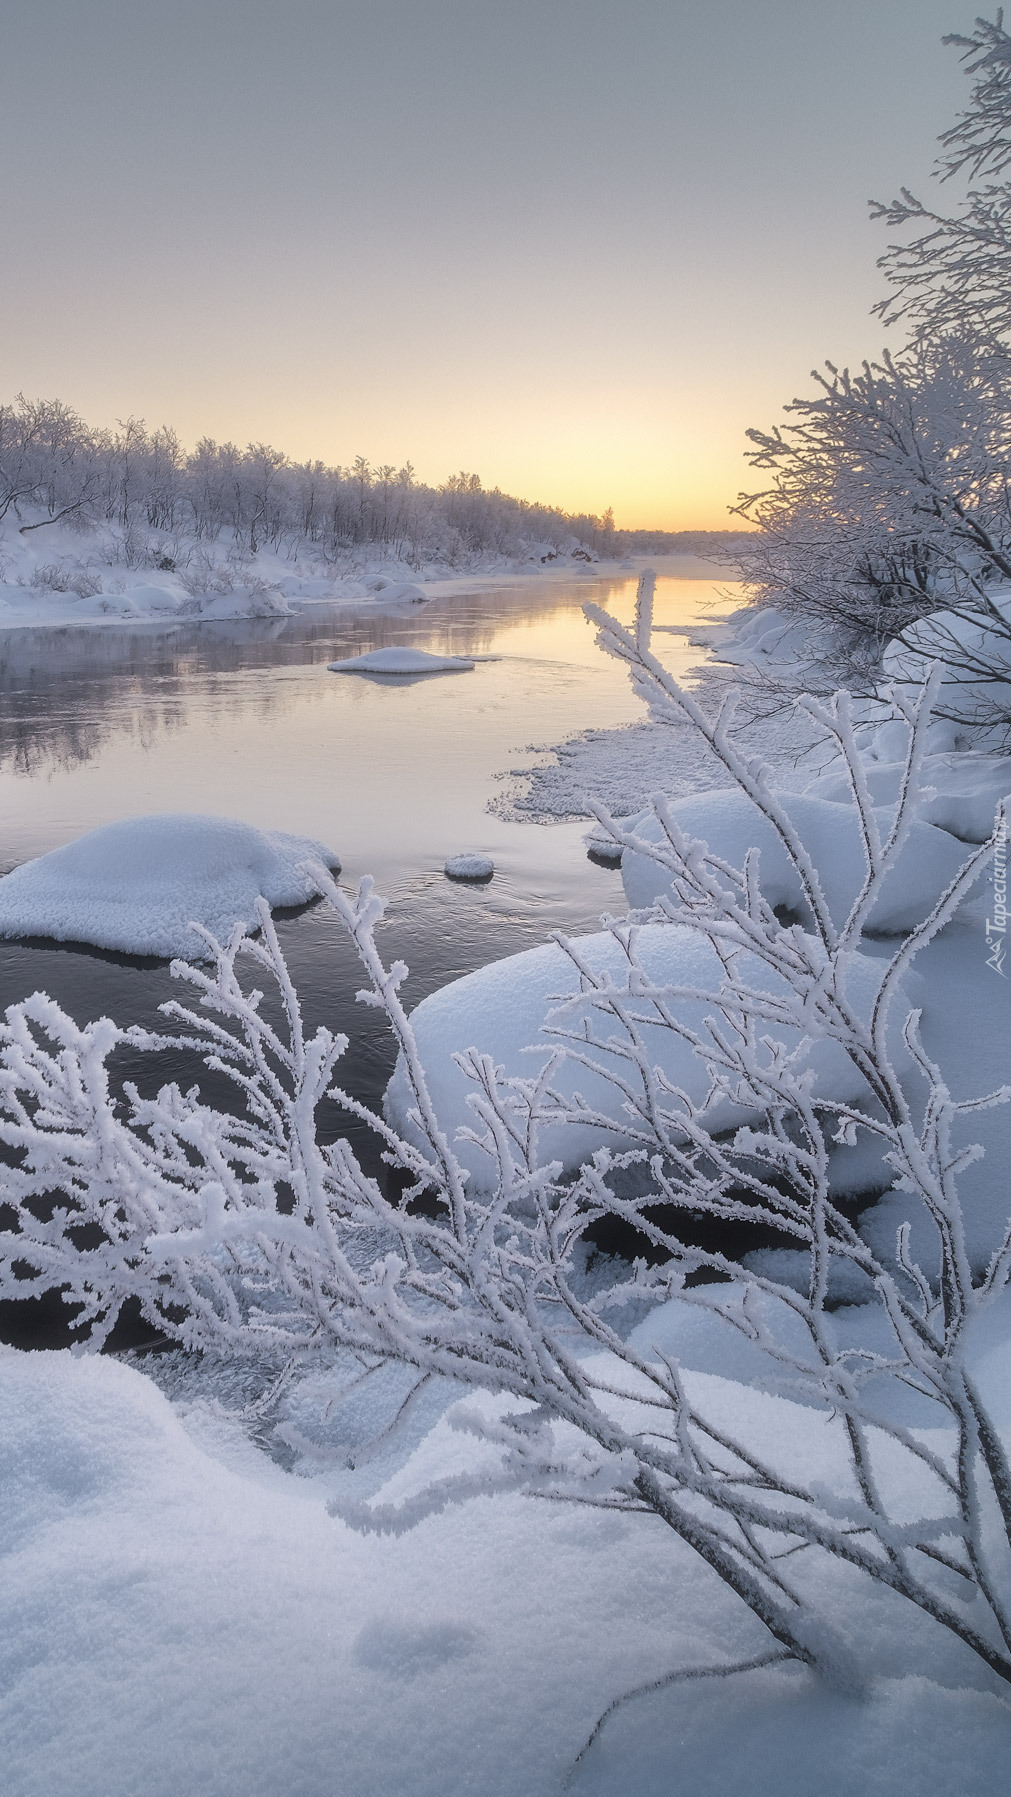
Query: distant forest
{"points": [[156, 496]]}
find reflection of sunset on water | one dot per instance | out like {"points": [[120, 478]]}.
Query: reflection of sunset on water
{"points": [[244, 720]]}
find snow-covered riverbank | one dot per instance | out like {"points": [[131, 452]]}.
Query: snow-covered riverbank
{"points": [[62, 575], [181, 1613]]}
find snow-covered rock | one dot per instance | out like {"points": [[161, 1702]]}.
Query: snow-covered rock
{"points": [[397, 592], [397, 660], [469, 867], [601, 847], [731, 824], [507, 1006], [137, 885], [965, 789], [256, 601]]}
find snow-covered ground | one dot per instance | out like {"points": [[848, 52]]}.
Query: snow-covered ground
{"points": [[181, 1613], [61, 574]]}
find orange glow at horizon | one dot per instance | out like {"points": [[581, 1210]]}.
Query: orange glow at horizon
{"points": [[656, 469], [574, 261]]}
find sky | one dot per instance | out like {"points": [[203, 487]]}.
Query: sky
{"points": [[575, 246]]}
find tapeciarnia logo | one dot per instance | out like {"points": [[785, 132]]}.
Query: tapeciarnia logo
{"points": [[996, 926]]}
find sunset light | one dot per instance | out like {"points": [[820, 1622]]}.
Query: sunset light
{"points": [[505, 788]]}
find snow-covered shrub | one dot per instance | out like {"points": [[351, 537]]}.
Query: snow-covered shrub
{"points": [[975, 650], [873, 1450], [65, 577], [206, 573], [885, 500]]}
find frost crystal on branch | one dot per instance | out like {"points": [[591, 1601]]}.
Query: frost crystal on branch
{"points": [[242, 1233]]}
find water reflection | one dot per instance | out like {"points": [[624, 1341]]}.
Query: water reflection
{"points": [[65, 690], [243, 719]]}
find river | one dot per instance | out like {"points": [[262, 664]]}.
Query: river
{"points": [[244, 720]]}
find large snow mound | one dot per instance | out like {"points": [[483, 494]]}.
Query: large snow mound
{"points": [[732, 824], [396, 660], [503, 1008], [963, 791], [139, 884]]}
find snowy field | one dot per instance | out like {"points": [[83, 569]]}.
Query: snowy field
{"points": [[182, 1612]]}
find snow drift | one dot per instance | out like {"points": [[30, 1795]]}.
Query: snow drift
{"points": [[181, 1615], [731, 824]]}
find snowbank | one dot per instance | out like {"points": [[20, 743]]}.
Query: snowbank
{"points": [[757, 637], [506, 1007], [732, 824], [398, 660], [179, 1615], [138, 885], [965, 789], [60, 573]]}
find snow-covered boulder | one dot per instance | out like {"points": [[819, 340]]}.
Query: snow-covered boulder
{"points": [[505, 1007], [396, 592], [732, 824], [137, 885], [256, 600], [966, 790], [397, 660], [469, 867]]}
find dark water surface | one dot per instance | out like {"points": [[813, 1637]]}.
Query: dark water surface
{"points": [[244, 720]]}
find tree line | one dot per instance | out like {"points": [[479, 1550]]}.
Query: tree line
{"points": [[54, 468]]}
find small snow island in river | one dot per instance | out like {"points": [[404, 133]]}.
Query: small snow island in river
{"points": [[139, 884], [401, 660]]}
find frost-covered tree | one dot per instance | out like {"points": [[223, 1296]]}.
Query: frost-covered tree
{"points": [[889, 498], [242, 1232], [150, 497], [886, 495], [952, 275], [45, 461]]}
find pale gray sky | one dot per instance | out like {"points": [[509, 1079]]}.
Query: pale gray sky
{"points": [[576, 245]]}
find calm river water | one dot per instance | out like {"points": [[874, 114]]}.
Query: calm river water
{"points": [[244, 720]]}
